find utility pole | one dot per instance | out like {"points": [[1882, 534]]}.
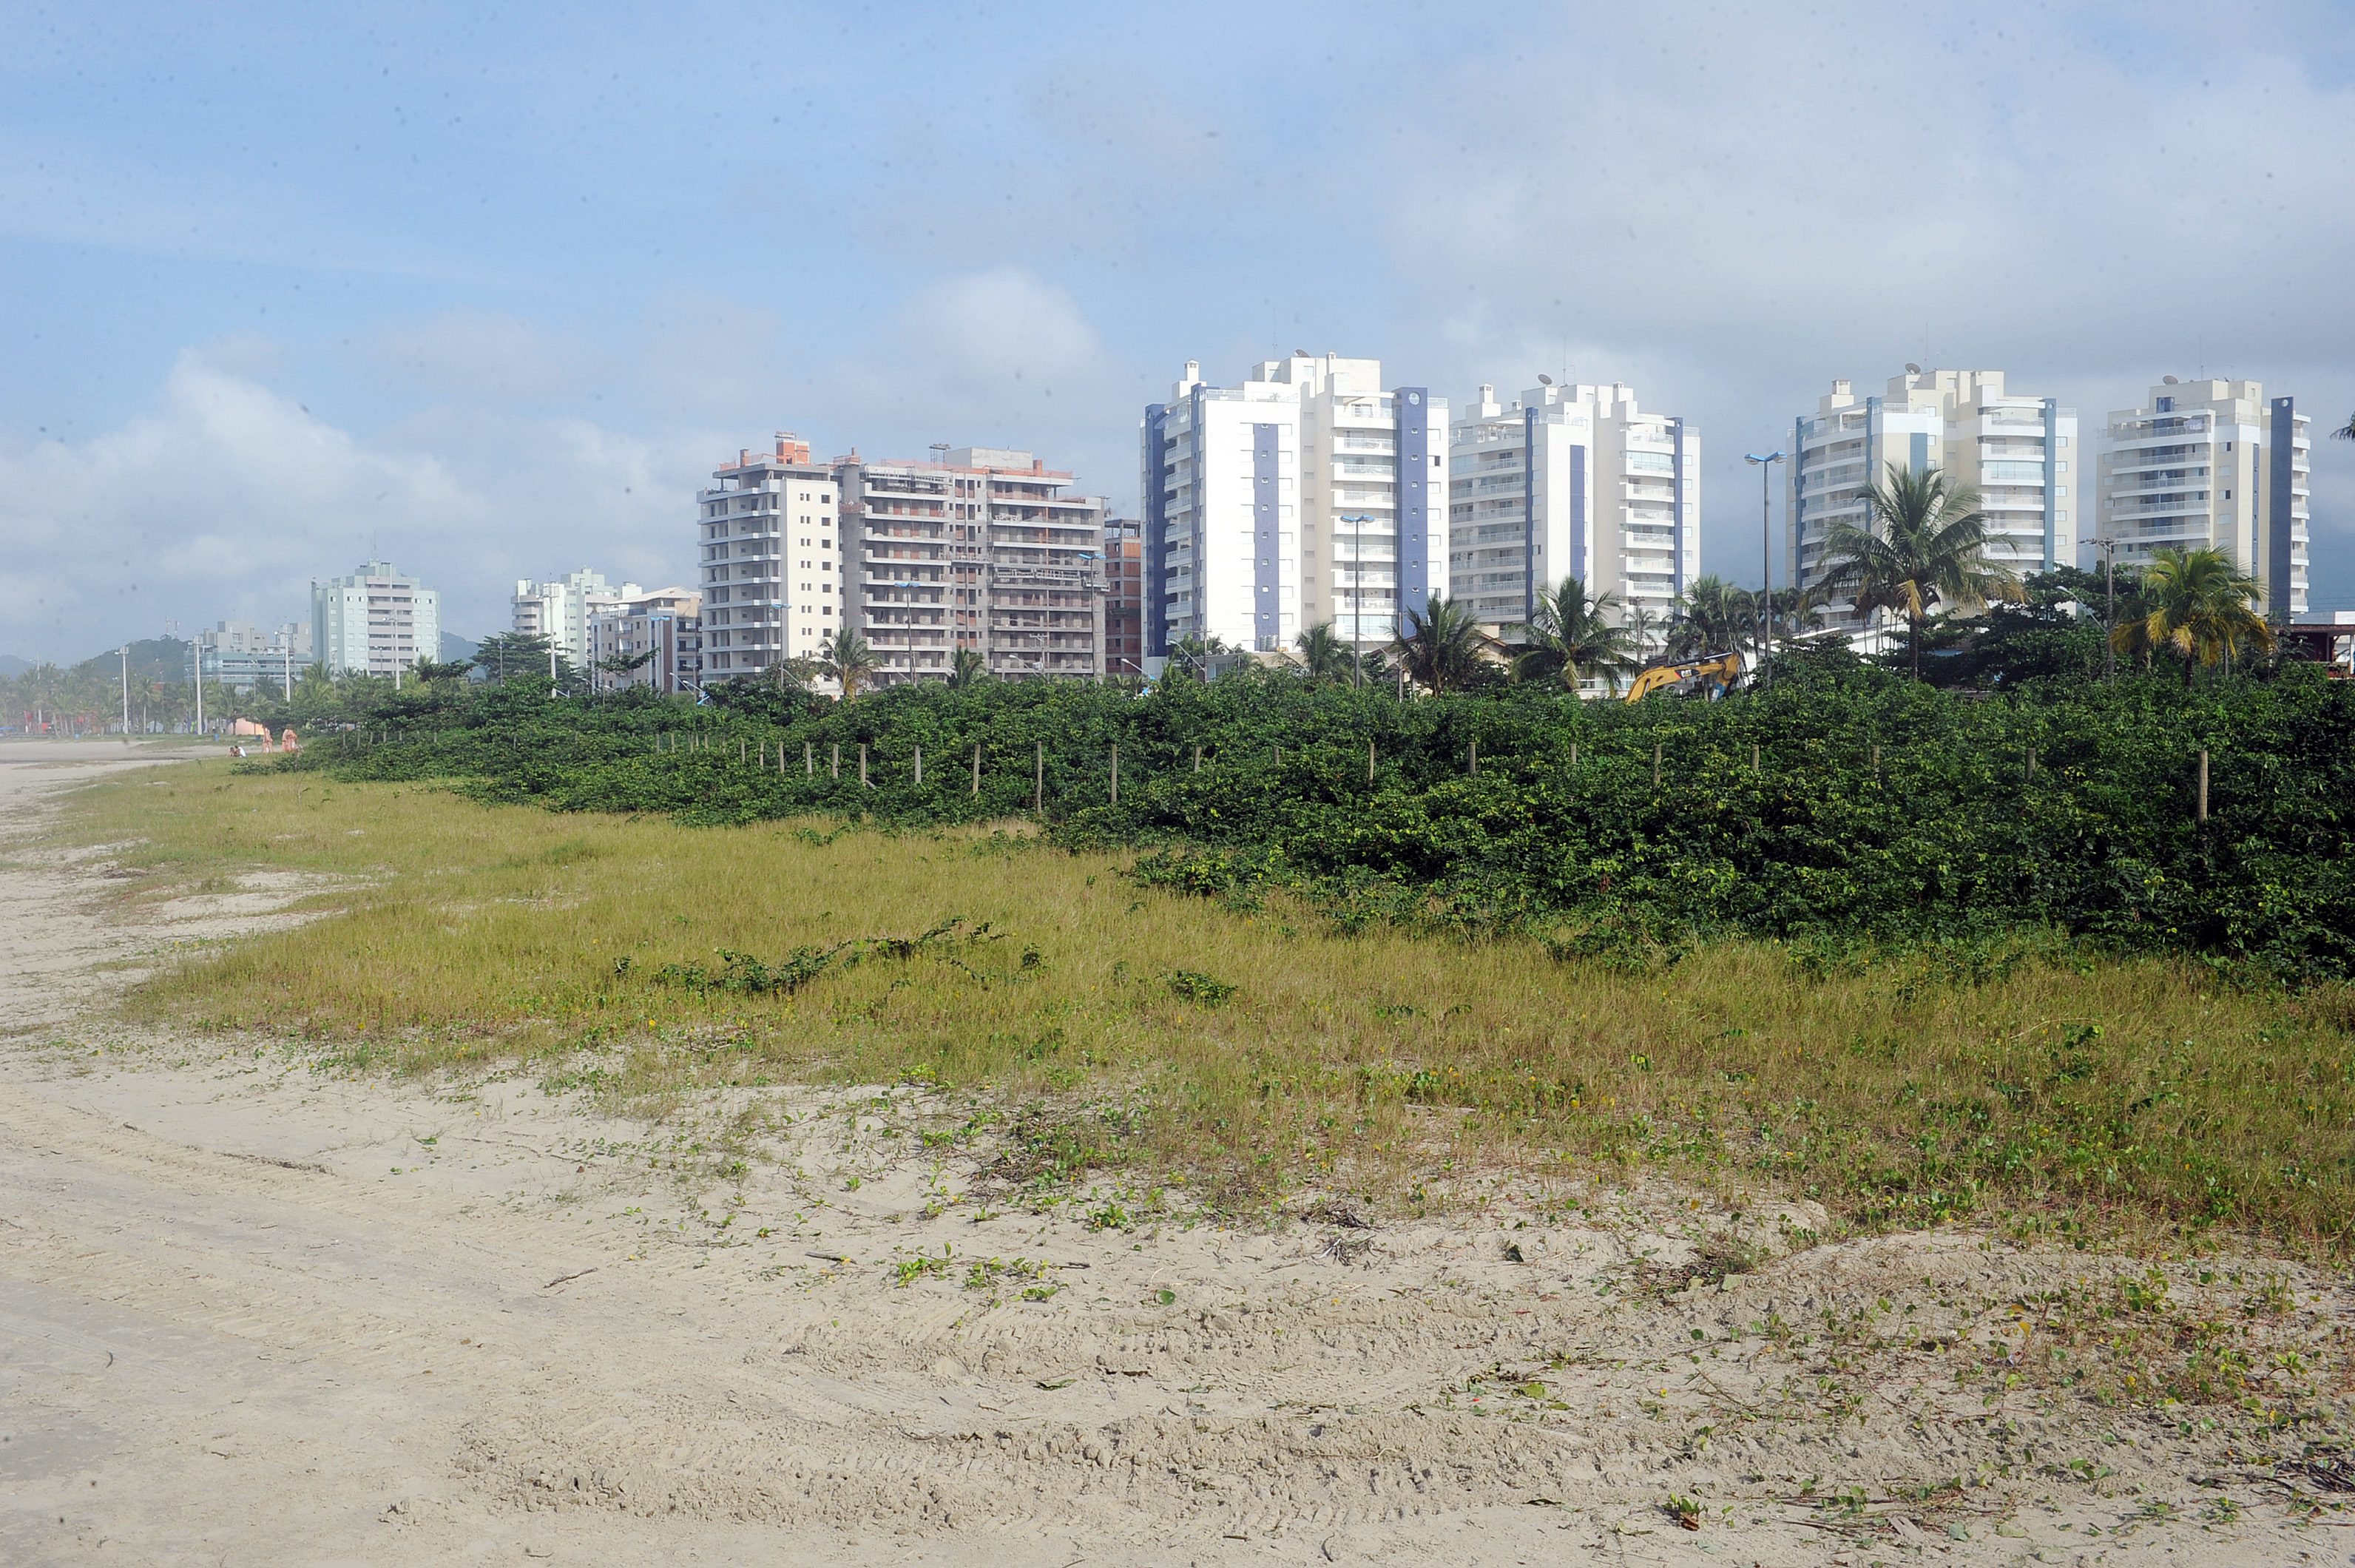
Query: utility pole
{"points": [[197, 656], [1767, 556], [126, 694], [2109, 548]]}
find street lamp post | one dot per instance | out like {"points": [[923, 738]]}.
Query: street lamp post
{"points": [[1767, 558], [2109, 548]]}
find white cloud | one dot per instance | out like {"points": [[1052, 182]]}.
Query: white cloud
{"points": [[226, 499], [1728, 207]]}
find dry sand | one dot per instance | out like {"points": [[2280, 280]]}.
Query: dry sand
{"points": [[252, 1310]]}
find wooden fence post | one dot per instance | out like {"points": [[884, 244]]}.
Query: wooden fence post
{"points": [[1197, 757], [834, 761], [2203, 784], [862, 766], [976, 770], [1573, 753], [1656, 764], [740, 748], [920, 767], [1369, 762], [1038, 776], [1757, 763], [1115, 773], [809, 759], [1476, 756]]}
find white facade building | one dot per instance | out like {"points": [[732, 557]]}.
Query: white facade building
{"points": [[772, 577], [374, 622], [242, 655], [2019, 454], [2213, 464], [1306, 493], [986, 549], [561, 609], [1571, 481]]}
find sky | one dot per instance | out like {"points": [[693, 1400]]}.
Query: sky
{"points": [[488, 291]]}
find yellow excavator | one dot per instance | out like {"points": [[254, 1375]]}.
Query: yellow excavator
{"points": [[1710, 675]]}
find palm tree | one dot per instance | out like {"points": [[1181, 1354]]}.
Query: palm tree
{"points": [[2346, 431], [1711, 616], [847, 659], [968, 668], [1643, 630], [2200, 605], [1323, 655], [1927, 547], [793, 674], [1571, 637], [1191, 653], [1442, 646]]}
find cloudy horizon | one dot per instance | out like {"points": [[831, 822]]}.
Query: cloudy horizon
{"points": [[489, 298]]}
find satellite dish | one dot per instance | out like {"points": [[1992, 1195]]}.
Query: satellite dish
{"points": [[1544, 380], [1911, 368], [1300, 353], [2167, 380]]}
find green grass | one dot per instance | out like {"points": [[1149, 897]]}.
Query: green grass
{"points": [[1253, 1051]]}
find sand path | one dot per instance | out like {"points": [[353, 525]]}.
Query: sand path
{"points": [[251, 1311]]}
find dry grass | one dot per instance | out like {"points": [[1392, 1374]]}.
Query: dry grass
{"points": [[2060, 1091]]}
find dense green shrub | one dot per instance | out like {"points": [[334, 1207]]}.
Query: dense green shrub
{"points": [[1849, 805]]}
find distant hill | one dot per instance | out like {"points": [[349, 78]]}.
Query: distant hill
{"points": [[456, 649], [11, 667], [152, 659]]}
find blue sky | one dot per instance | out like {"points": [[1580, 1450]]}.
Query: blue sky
{"points": [[491, 292]]}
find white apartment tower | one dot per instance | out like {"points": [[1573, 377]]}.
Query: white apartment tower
{"points": [[2213, 464], [562, 610], [983, 549], [771, 583], [1307, 494], [374, 622], [2019, 454], [1571, 481]]}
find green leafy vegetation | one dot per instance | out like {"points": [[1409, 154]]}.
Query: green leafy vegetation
{"points": [[1852, 810]]}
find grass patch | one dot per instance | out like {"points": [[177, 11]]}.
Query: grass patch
{"points": [[2065, 1093]]}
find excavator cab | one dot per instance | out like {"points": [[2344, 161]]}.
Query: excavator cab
{"points": [[1711, 676]]}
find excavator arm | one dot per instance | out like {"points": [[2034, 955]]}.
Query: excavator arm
{"points": [[1714, 673]]}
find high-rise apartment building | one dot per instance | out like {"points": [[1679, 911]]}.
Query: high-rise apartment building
{"points": [[983, 549], [1124, 558], [242, 655], [771, 587], [664, 628], [2019, 454], [2213, 464], [1308, 493], [1571, 481], [561, 609], [374, 622]]}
